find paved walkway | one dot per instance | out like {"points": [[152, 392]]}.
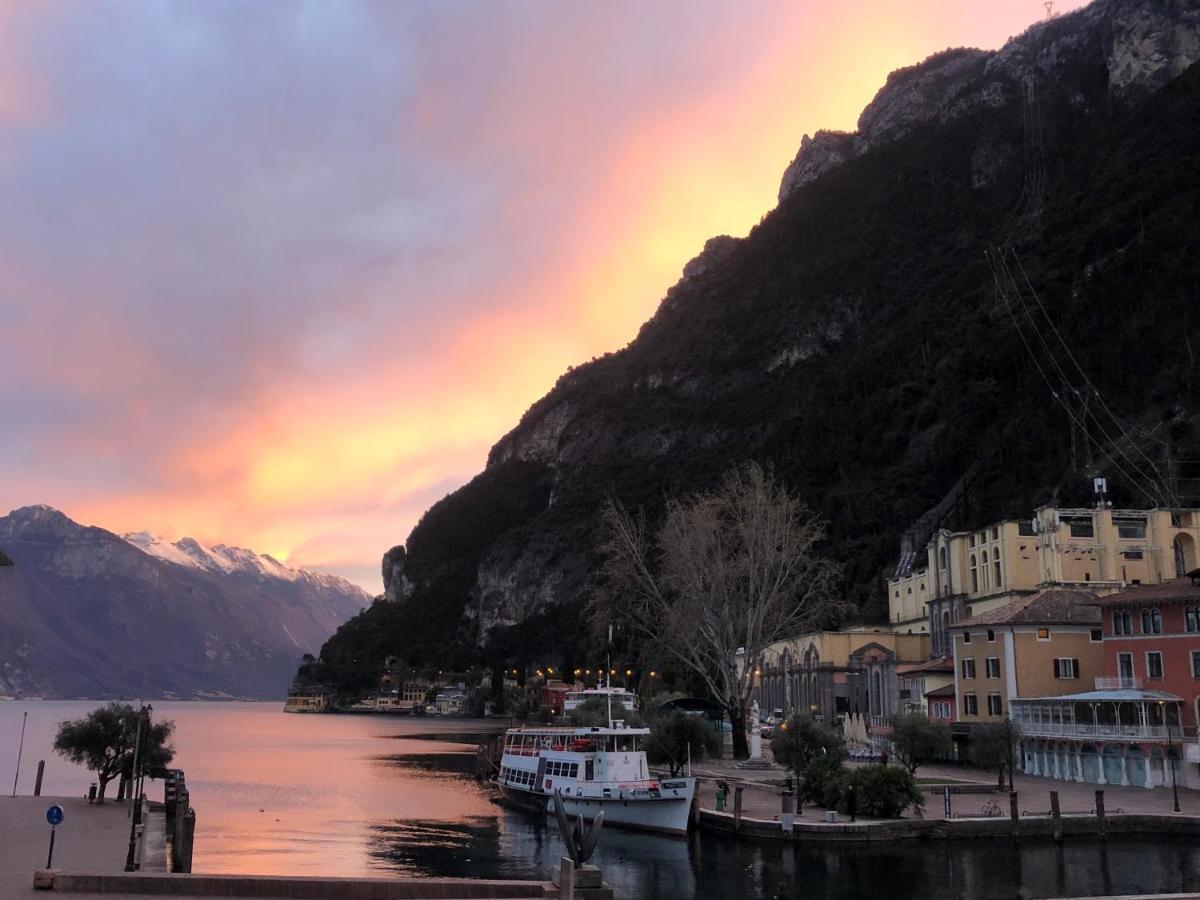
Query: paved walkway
{"points": [[92, 838], [761, 798]]}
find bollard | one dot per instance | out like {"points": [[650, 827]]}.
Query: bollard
{"points": [[566, 879], [737, 809], [786, 814], [37, 784], [1014, 814], [1056, 816], [1100, 824]]}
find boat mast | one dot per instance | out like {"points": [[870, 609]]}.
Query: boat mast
{"points": [[608, 676]]}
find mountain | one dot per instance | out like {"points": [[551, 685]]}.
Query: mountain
{"points": [[867, 341], [85, 613]]}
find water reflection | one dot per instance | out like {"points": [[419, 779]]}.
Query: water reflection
{"points": [[357, 795]]}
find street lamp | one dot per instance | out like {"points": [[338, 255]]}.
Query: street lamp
{"points": [[1162, 705]]}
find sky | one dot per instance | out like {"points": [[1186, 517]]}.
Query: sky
{"points": [[278, 274]]}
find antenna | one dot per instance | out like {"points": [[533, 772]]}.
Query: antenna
{"points": [[1049, 4]]}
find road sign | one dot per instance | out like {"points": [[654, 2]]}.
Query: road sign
{"points": [[54, 815]]}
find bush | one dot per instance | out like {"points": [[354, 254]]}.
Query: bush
{"points": [[594, 713], [823, 782], [882, 792]]}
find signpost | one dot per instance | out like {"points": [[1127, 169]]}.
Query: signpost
{"points": [[54, 815]]}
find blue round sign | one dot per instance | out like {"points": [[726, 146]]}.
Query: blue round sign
{"points": [[54, 815]]}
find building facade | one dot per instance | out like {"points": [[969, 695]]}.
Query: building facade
{"points": [[833, 673], [963, 574], [1139, 725], [1040, 645], [918, 679]]}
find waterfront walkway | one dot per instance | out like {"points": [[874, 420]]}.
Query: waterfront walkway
{"points": [[92, 838], [761, 798]]}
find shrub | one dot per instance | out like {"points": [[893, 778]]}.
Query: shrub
{"points": [[823, 782], [883, 792], [673, 735]]}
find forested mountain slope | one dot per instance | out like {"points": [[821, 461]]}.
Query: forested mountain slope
{"points": [[856, 341]]}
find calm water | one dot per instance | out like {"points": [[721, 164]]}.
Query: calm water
{"points": [[351, 795]]}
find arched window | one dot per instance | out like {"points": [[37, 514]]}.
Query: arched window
{"points": [[877, 693], [1151, 621], [942, 557], [983, 567], [996, 569], [974, 575]]}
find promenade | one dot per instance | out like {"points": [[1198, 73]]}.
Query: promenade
{"points": [[92, 838], [761, 797]]}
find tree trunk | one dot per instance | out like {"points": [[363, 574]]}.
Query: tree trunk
{"points": [[1002, 778], [103, 781], [741, 747]]}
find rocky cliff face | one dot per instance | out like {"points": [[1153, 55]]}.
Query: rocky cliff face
{"points": [[1141, 45], [84, 613], [854, 339]]}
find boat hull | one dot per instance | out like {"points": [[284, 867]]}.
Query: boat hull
{"points": [[664, 815]]}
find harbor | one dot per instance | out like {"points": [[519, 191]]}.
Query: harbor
{"points": [[399, 799]]}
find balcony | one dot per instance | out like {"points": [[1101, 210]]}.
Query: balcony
{"points": [[1124, 683], [1097, 732]]}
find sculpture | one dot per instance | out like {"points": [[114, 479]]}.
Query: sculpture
{"points": [[579, 837]]}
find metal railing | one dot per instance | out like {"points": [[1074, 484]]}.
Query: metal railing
{"points": [[1075, 729], [1121, 683]]}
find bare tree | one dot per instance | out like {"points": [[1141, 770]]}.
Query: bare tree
{"points": [[732, 569]]}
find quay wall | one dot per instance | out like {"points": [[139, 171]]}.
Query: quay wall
{"points": [[133, 884], [947, 829]]}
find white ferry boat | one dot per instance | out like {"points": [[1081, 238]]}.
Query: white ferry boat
{"points": [[602, 768], [575, 699]]}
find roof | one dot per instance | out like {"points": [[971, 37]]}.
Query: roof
{"points": [[1110, 696], [1184, 589], [1053, 606], [941, 664], [946, 690]]}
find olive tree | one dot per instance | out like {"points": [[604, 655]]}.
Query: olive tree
{"points": [[105, 739], [916, 740], [677, 737], [731, 569]]}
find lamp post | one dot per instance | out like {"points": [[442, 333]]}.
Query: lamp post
{"points": [[1170, 753]]}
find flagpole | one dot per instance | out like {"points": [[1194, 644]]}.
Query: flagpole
{"points": [[20, 750]]}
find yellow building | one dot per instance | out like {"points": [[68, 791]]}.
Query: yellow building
{"points": [[1041, 645], [968, 573], [833, 673]]}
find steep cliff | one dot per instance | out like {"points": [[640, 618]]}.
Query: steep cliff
{"points": [[854, 339], [85, 613]]}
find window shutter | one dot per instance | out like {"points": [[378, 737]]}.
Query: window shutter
{"points": [[1074, 668], [1056, 672]]}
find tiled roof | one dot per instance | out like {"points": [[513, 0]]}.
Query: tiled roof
{"points": [[941, 664], [946, 690], [1053, 606], [1176, 589]]}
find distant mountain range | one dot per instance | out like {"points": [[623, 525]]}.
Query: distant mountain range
{"points": [[87, 613]]}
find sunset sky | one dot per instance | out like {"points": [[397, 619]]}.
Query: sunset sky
{"points": [[278, 274]]}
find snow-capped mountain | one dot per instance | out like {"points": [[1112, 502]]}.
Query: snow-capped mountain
{"points": [[85, 613], [222, 558]]}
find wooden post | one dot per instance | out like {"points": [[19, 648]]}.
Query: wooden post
{"points": [[737, 809], [37, 784], [1014, 814], [1100, 824], [1056, 816], [189, 837]]}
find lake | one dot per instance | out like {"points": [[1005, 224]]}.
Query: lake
{"points": [[359, 795]]}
